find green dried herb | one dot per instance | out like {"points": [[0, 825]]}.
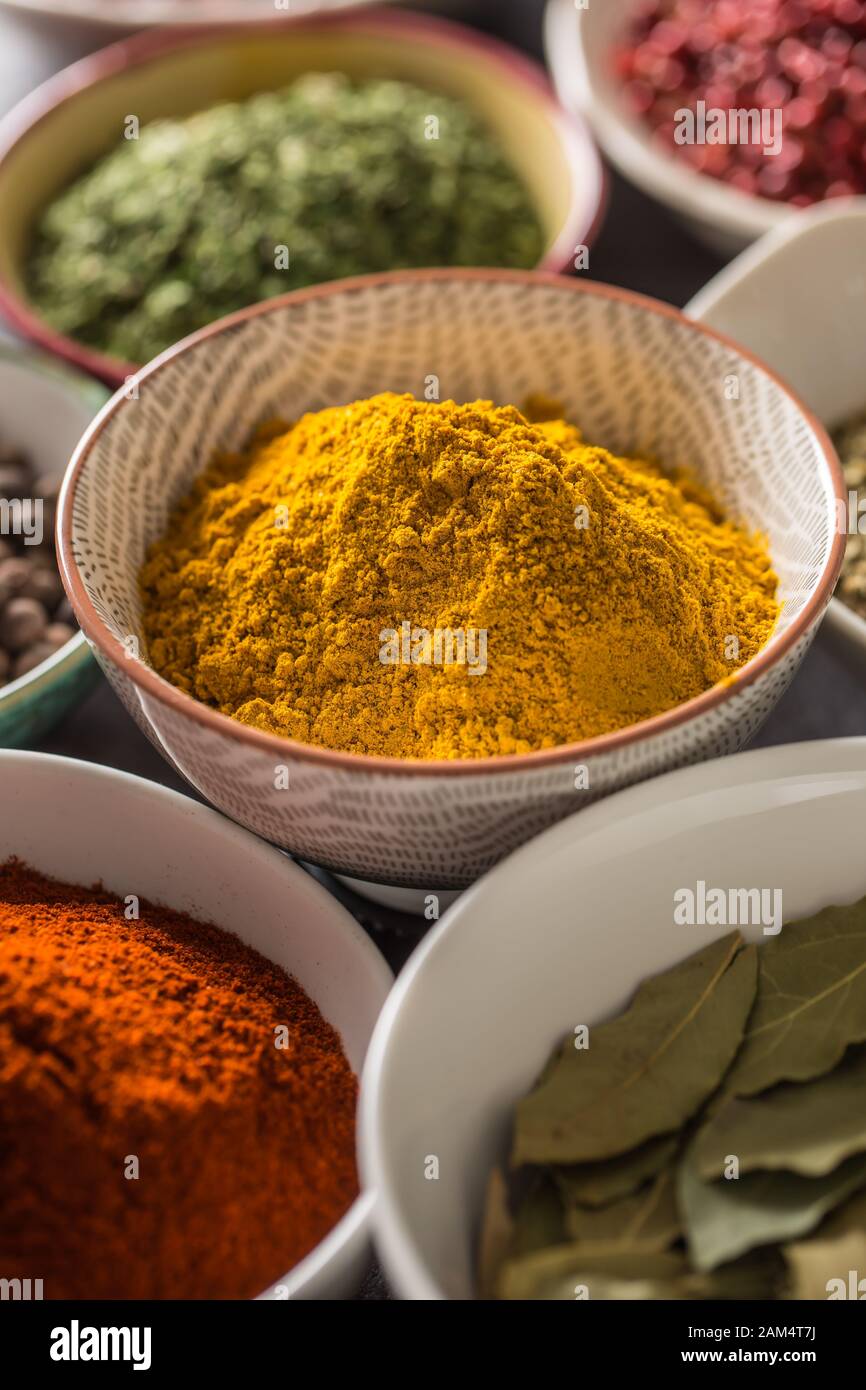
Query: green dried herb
{"points": [[729, 1217], [625, 1148], [497, 1230], [595, 1184], [539, 1221], [567, 1270], [648, 1220], [649, 1069], [821, 1266], [811, 1002], [580, 1271], [246, 200], [806, 1128]]}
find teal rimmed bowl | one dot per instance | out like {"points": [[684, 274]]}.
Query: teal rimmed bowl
{"points": [[44, 410]]}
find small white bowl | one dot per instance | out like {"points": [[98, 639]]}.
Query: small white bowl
{"points": [[797, 298], [562, 933], [578, 44], [82, 823]]}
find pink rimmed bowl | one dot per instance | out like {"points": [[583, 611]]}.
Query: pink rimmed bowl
{"points": [[128, 16], [74, 118], [116, 17], [634, 374]]}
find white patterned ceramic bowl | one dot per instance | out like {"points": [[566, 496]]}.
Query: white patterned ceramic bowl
{"points": [[636, 375], [579, 40]]}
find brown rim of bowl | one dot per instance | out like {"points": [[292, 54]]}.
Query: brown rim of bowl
{"points": [[573, 132], [158, 688]]}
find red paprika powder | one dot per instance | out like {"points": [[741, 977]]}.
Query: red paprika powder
{"points": [[155, 1141]]}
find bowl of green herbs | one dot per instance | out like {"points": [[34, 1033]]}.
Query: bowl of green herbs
{"points": [[173, 178]]}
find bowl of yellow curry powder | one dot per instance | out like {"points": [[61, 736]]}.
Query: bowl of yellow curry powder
{"points": [[401, 570]]}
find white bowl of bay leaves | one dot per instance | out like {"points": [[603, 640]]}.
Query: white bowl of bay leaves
{"points": [[586, 1083]]}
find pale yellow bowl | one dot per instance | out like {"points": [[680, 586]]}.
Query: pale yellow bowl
{"points": [[74, 118]]}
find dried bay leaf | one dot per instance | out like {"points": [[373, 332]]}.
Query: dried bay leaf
{"points": [[561, 1272], [645, 1221], [724, 1219], [760, 1274], [801, 1127], [595, 1184], [648, 1070], [607, 1273], [539, 1221], [537, 1224], [497, 1230], [822, 1266], [811, 1001]]}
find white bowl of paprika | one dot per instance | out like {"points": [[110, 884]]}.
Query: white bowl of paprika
{"points": [[194, 1016]]}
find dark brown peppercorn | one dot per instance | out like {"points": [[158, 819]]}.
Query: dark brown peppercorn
{"points": [[35, 618], [31, 658], [64, 613], [22, 622], [58, 634], [14, 574], [44, 584], [14, 480], [47, 486]]}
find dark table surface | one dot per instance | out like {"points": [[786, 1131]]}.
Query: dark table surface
{"points": [[641, 247]]}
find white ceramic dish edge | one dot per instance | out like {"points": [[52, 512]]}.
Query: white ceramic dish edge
{"points": [[335, 1267], [720, 216], [824, 760], [797, 298]]}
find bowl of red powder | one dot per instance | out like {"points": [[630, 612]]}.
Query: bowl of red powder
{"points": [[183, 1016], [735, 113]]}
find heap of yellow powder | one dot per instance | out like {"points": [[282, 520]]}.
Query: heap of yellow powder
{"points": [[608, 591]]}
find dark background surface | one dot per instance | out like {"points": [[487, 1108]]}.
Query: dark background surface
{"points": [[642, 248]]}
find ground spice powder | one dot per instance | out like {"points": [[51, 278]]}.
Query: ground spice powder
{"points": [[607, 590], [155, 1038]]}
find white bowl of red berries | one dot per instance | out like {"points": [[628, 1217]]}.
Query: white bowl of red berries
{"points": [[734, 113]]}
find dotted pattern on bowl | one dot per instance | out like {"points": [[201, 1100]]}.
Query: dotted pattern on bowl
{"points": [[633, 379]]}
